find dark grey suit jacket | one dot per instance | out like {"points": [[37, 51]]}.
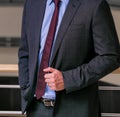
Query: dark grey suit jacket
{"points": [[86, 49]]}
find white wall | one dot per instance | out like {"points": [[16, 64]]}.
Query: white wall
{"points": [[10, 26], [8, 55], [10, 21], [116, 16]]}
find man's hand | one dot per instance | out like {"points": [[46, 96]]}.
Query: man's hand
{"points": [[54, 79]]}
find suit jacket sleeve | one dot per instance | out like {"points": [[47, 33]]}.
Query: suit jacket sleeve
{"points": [[107, 51]]}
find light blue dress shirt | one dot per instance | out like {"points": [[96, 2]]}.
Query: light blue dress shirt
{"points": [[45, 27]]}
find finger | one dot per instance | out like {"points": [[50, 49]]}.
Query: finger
{"points": [[49, 80], [47, 75], [49, 70]]}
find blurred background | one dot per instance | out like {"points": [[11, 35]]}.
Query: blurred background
{"points": [[10, 30]]}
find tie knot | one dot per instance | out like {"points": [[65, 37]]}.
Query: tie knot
{"points": [[56, 2]]}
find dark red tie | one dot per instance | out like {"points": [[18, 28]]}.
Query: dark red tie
{"points": [[40, 87]]}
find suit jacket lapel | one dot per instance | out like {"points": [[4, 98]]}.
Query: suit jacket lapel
{"points": [[36, 19], [72, 7], [38, 14]]}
